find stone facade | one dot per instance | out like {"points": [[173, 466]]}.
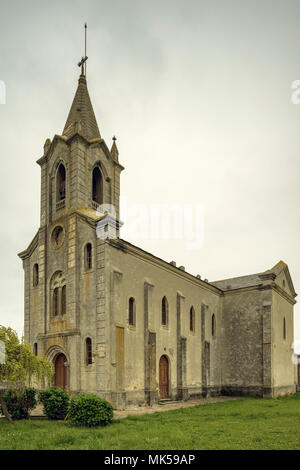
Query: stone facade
{"points": [[226, 337]]}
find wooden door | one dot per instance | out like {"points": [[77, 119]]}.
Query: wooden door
{"points": [[60, 371], [164, 377]]}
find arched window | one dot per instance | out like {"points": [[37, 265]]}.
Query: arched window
{"points": [[192, 319], [131, 316], [35, 349], [97, 186], [61, 183], [55, 301], [35, 275], [58, 294], [164, 311], [88, 256], [213, 326], [63, 299], [284, 328], [88, 351]]}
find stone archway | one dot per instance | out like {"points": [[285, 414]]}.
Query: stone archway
{"points": [[58, 356], [61, 371]]}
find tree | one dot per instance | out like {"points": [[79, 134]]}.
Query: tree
{"points": [[19, 366]]}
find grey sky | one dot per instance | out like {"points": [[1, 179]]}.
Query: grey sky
{"points": [[199, 96]]}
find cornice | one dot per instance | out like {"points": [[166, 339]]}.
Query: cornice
{"points": [[30, 249], [261, 287], [68, 140], [284, 294], [47, 155], [59, 334], [144, 255]]}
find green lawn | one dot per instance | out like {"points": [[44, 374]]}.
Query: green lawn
{"points": [[245, 423]]}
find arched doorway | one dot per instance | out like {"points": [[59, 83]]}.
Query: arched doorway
{"points": [[164, 377], [60, 378]]}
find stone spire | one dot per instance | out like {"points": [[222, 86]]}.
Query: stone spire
{"points": [[114, 150], [81, 118]]}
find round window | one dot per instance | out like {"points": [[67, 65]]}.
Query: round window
{"points": [[57, 237]]}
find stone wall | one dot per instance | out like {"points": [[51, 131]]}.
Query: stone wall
{"points": [[148, 279]]}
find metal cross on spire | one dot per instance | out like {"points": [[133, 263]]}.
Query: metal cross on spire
{"points": [[82, 63]]}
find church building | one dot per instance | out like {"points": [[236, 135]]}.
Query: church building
{"points": [[124, 324]]}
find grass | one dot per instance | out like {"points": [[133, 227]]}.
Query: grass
{"points": [[245, 423]]}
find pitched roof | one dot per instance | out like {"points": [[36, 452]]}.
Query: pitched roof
{"points": [[255, 279], [282, 266], [238, 282], [81, 118]]}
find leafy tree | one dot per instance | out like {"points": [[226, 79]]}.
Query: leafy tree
{"points": [[19, 366]]}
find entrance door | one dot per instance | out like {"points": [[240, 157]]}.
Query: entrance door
{"points": [[60, 371], [164, 377]]}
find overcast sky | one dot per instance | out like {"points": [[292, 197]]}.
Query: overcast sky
{"points": [[198, 94]]}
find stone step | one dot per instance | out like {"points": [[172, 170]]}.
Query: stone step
{"points": [[166, 401]]}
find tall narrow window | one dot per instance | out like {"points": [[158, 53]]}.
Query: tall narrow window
{"points": [[35, 349], [35, 275], [55, 301], [97, 186], [88, 351], [88, 256], [192, 319], [63, 299], [213, 326], [131, 318], [164, 311], [61, 183], [284, 328]]}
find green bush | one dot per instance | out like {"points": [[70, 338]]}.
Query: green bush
{"points": [[19, 403], [56, 402], [90, 410]]}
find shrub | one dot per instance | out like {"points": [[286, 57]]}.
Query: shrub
{"points": [[56, 402], [90, 410], [19, 403]]}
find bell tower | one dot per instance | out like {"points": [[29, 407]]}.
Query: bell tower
{"points": [[78, 169], [64, 265]]}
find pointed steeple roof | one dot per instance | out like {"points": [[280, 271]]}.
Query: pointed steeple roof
{"points": [[81, 118]]}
